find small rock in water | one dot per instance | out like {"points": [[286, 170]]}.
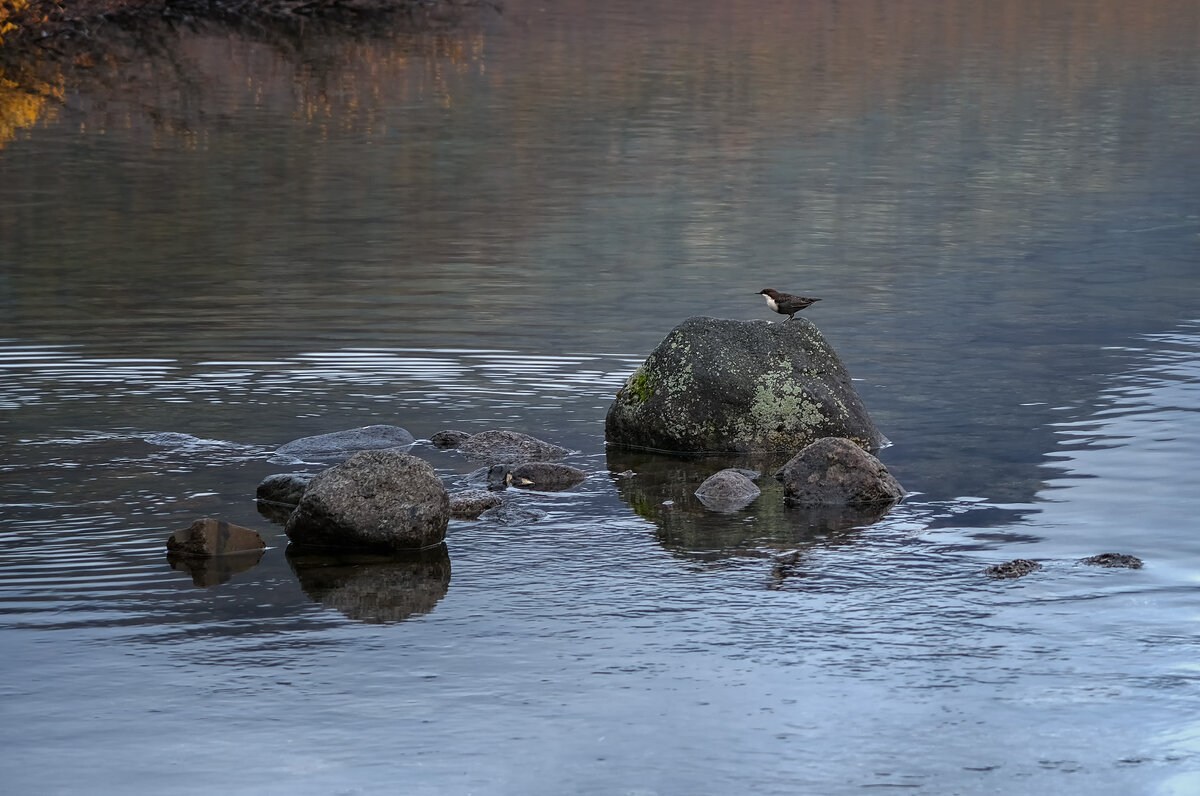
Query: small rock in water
{"points": [[546, 476], [470, 503], [283, 487], [210, 537], [512, 515], [834, 471], [444, 440], [343, 444], [1113, 560], [1017, 568], [728, 490], [509, 447]]}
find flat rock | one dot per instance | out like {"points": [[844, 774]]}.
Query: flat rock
{"points": [[383, 500], [1113, 560], [210, 537], [728, 490], [468, 504], [1017, 568], [715, 385], [545, 476], [834, 471], [509, 447], [343, 444]]}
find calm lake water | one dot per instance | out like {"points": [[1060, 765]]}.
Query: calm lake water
{"points": [[213, 243]]}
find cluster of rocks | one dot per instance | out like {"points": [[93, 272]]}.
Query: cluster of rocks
{"points": [[712, 386]]}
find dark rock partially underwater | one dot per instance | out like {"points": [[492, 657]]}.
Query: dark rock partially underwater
{"points": [[376, 500], [509, 447], [728, 490], [836, 472], [717, 385]]}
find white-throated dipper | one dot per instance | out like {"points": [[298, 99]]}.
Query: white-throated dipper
{"points": [[786, 303]]}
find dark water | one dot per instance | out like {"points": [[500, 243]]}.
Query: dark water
{"points": [[229, 241]]}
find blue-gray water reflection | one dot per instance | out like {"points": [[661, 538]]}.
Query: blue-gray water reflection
{"points": [[490, 228]]}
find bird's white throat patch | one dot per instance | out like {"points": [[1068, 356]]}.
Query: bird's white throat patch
{"points": [[771, 303]]}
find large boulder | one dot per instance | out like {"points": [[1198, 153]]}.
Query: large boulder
{"points": [[836, 472], [376, 500], [742, 386], [342, 444]]}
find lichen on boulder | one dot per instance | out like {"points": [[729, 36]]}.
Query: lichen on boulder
{"points": [[715, 385]]}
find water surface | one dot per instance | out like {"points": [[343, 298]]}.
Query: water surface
{"points": [[214, 247]]}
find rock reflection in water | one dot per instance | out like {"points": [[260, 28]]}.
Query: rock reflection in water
{"points": [[661, 489], [373, 588], [214, 571]]}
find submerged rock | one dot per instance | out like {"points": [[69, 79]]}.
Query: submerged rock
{"points": [[509, 447], [836, 472], [470, 503], [1017, 568], [728, 490], [747, 386], [285, 488], [444, 440], [380, 500], [545, 476], [342, 444], [210, 537], [509, 514], [494, 477], [1113, 560]]}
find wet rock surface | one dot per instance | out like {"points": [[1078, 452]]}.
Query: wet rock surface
{"points": [[715, 385], [343, 444], [447, 440], [285, 488], [509, 447], [1017, 568], [545, 476], [468, 504], [836, 472], [1113, 561], [208, 537], [728, 490], [509, 514], [382, 500]]}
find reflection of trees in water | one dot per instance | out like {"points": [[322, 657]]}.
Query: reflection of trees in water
{"points": [[374, 588]]}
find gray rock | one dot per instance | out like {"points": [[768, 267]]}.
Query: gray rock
{"points": [[493, 477], [210, 537], [545, 476], [470, 503], [444, 440], [1112, 560], [342, 444], [728, 490], [509, 514], [1017, 568], [283, 487], [380, 500], [835, 472], [745, 386], [509, 447]]}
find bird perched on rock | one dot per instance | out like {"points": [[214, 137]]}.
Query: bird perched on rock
{"points": [[786, 303]]}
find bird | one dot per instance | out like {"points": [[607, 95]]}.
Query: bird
{"points": [[786, 303]]}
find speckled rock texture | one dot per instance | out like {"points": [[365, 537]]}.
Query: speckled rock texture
{"points": [[509, 447], [716, 385], [836, 472], [376, 500], [728, 490]]}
